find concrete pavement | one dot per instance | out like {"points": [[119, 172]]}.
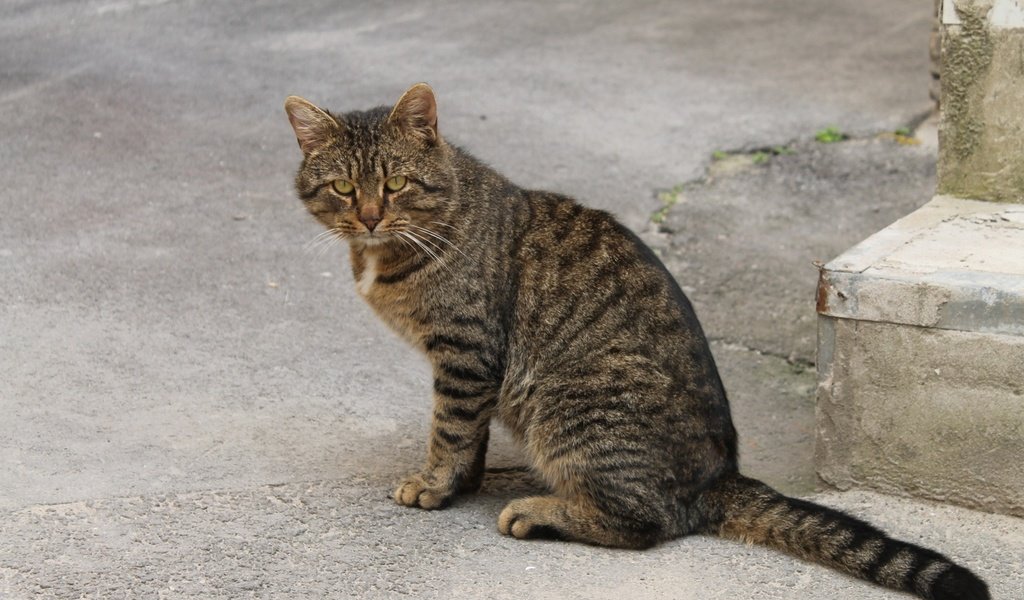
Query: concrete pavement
{"points": [[193, 405]]}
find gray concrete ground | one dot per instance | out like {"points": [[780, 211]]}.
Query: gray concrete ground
{"points": [[744, 240], [195, 406]]}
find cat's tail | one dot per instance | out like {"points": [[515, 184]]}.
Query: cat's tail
{"points": [[747, 510]]}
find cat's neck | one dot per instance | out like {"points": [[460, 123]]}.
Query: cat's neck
{"points": [[372, 258]]}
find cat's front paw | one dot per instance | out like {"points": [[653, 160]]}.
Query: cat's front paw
{"points": [[421, 491]]}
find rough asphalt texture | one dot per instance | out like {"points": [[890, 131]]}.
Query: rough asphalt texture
{"points": [[192, 405]]}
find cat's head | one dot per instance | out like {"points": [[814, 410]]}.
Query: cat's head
{"points": [[374, 176]]}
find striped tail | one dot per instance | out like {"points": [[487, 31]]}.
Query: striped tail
{"points": [[750, 511]]}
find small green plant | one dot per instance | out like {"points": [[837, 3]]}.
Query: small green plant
{"points": [[719, 155], [760, 157], [782, 151], [669, 198], [830, 135], [904, 137]]}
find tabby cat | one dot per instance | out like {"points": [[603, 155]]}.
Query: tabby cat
{"points": [[560, 323]]}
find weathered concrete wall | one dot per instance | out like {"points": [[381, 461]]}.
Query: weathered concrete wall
{"points": [[926, 412], [981, 133]]}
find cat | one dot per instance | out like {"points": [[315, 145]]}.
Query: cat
{"points": [[556, 320]]}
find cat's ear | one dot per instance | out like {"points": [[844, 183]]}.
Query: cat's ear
{"points": [[415, 113], [313, 127]]}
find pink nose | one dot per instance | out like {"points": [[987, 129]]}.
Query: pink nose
{"points": [[369, 221]]}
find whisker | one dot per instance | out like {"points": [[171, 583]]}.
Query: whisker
{"points": [[440, 237], [417, 245], [423, 244], [320, 236], [405, 242], [317, 249], [318, 239], [442, 224], [323, 249], [327, 241], [433, 245], [430, 250], [337, 238], [401, 236]]}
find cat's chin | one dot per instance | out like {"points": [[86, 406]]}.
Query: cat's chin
{"points": [[374, 241]]}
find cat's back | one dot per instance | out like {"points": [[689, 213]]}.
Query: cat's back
{"points": [[591, 291]]}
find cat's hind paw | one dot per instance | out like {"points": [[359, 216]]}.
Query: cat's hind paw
{"points": [[533, 518]]}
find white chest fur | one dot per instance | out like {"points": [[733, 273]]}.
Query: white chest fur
{"points": [[369, 274]]}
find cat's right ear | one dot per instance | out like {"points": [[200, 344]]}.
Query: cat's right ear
{"points": [[313, 127]]}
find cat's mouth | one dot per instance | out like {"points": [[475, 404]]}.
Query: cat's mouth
{"points": [[376, 238]]}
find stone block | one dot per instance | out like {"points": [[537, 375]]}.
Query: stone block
{"points": [[921, 358]]}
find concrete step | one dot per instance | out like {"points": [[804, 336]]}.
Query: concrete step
{"points": [[921, 358]]}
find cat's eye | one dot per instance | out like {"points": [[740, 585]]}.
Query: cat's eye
{"points": [[343, 187], [395, 183]]}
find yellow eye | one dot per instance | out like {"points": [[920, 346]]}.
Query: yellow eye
{"points": [[343, 187], [395, 183]]}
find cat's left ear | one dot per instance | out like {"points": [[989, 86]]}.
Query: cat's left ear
{"points": [[313, 127], [415, 113]]}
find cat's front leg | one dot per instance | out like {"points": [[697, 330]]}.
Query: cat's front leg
{"points": [[457, 449]]}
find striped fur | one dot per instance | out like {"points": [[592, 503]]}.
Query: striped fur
{"points": [[558, 322]]}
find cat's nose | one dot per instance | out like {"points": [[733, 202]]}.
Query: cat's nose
{"points": [[369, 220]]}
